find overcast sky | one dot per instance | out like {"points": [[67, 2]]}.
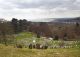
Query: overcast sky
{"points": [[37, 9]]}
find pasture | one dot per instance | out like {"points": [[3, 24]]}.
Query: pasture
{"points": [[24, 39], [55, 48], [10, 51]]}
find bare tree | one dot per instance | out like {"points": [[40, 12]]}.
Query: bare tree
{"points": [[5, 30]]}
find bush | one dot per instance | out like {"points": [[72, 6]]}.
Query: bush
{"points": [[19, 46], [30, 46]]}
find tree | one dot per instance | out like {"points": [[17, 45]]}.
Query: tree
{"points": [[77, 29], [20, 25], [77, 24], [5, 30], [15, 25], [65, 36], [56, 37], [25, 24]]}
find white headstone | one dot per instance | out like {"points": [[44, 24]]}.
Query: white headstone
{"points": [[34, 41]]}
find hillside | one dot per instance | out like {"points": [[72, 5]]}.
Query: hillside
{"points": [[10, 51], [67, 20]]}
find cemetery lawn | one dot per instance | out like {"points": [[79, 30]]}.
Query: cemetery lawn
{"points": [[10, 51], [23, 35]]}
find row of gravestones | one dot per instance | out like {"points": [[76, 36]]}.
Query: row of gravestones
{"points": [[41, 46], [37, 46], [63, 47]]}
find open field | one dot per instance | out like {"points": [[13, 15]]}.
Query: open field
{"points": [[27, 38], [72, 48], [10, 51]]}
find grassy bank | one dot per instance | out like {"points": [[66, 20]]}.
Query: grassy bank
{"points": [[10, 51]]}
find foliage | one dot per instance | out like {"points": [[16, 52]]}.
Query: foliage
{"points": [[28, 39], [5, 31]]}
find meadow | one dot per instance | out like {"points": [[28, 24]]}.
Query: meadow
{"points": [[55, 48], [27, 38], [10, 51]]}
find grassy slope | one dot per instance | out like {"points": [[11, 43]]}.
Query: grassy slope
{"points": [[24, 35], [10, 51], [25, 38]]}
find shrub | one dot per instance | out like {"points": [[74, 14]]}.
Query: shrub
{"points": [[30, 46], [19, 46]]}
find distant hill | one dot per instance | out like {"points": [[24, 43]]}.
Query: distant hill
{"points": [[67, 20], [59, 20]]}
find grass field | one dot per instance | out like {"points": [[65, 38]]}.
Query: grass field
{"points": [[26, 38], [10, 51], [24, 35]]}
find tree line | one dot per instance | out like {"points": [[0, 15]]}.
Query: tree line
{"points": [[15, 26], [9, 28]]}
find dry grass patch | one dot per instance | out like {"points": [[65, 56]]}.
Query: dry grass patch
{"points": [[10, 51]]}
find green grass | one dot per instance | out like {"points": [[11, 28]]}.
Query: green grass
{"points": [[26, 38], [10, 51], [24, 35]]}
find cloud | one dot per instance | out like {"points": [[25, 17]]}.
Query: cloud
{"points": [[40, 4], [32, 9]]}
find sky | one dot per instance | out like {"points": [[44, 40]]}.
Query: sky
{"points": [[39, 9]]}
